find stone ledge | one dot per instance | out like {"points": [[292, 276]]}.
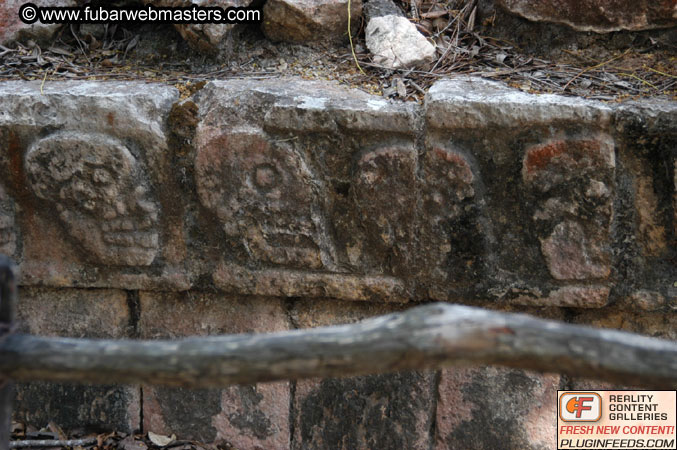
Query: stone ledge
{"points": [[485, 194]]}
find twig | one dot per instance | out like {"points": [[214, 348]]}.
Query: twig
{"points": [[659, 72], [86, 442], [593, 68], [638, 79], [350, 38]]}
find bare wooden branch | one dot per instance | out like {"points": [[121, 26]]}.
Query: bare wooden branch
{"points": [[430, 336], [86, 442]]}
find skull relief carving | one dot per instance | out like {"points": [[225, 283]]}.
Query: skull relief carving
{"points": [[265, 194], [100, 192], [385, 195], [449, 216], [573, 180]]}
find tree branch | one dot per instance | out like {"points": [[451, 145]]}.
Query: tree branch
{"points": [[431, 336]]}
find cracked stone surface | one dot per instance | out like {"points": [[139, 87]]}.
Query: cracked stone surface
{"points": [[265, 205], [600, 16], [289, 188]]}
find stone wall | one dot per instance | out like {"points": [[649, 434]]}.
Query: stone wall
{"points": [[256, 206]]}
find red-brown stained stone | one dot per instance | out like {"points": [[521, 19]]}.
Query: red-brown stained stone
{"points": [[562, 160], [651, 231], [573, 183], [600, 16], [246, 417], [490, 408], [11, 26], [644, 300], [571, 256]]}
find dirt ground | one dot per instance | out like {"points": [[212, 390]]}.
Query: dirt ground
{"points": [[538, 58]]}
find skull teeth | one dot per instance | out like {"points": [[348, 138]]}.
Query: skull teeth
{"points": [[127, 225], [134, 239]]}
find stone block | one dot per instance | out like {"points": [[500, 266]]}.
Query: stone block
{"points": [[520, 230], [468, 102], [298, 198], [310, 20], [306, 189], [600, 16], [246, 417], [573, 181], [489, 408], [374, 411], [76, 313], [206, 38], [96, 313], [655, 324], [100, 408], [91, 155], [13, 29]]}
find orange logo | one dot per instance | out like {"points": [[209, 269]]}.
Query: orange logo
{"points": [[580, 406], [577, 404]]}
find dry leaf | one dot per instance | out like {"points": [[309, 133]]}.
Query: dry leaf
{"points": [[160, 440]]}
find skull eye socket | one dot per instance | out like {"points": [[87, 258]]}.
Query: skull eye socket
{"points": [[102, 176], [82, 192], [266, 177]]}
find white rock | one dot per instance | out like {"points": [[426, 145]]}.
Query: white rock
{"points": [[395, 42]]}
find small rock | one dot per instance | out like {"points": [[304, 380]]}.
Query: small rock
{"points": [[310, 20], [207, 37], [396, 43], [600, 16], [12, 28]]}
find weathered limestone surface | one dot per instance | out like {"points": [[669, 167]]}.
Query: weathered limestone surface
{"points": [[245, 417], [393, 39], [8, 226], [488, 408], [86, 161], [260, 205], [99, 313], [204, 37], [310, 20], [601, 16], [305, 189], [377, 411], [12, 28]]}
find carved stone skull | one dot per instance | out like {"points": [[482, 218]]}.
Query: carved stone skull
{"points": [[100, 193], [573, 182], [264, 193]]}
